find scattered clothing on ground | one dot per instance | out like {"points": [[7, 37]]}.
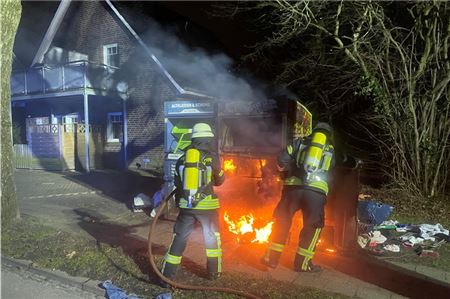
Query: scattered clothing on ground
{"points": [[114, 292]]}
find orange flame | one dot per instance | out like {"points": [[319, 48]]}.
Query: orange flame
{"points": [[245, 225], [228, 165]]}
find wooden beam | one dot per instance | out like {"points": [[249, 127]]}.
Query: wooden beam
{"points": [[51, 31]]}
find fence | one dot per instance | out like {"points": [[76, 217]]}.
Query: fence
{"points": [[59, 147]]}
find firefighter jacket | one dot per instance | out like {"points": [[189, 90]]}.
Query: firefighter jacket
{"points": [[214, 176], [292, 161]]}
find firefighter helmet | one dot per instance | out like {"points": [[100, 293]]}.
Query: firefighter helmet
{"points": [[324, 127], [202, 130]]}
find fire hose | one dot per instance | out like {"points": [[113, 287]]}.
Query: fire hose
{"points": [[177, 284]]}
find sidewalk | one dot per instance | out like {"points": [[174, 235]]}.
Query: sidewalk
{"points": [[21, 280], [98, 203]]}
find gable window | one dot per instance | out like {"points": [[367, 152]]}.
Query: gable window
{"points": [[114, 129], [111, 55]]}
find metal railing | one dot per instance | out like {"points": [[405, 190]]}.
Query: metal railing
{"points": [[70, 76]]}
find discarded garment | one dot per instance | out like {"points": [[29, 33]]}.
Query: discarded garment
{"points": [[114, 292], [363, 240], [411, 240], [164, 296], [427, 230], [377, 237], [392, 247]]}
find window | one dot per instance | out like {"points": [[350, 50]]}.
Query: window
{"points": [[114, 129], [111, 55]]}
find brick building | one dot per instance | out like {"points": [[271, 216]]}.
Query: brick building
{"points": [[94, 95]]}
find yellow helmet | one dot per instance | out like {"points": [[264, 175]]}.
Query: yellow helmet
{"points": [[202, 130]]}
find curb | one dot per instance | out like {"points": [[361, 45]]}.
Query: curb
{"points": [[83, 283]]}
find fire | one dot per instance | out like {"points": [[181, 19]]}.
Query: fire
{"points": [[228, 165], [245, 225]]}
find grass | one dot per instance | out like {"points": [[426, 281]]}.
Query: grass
{"points": [[47, 247], [412, 209]]}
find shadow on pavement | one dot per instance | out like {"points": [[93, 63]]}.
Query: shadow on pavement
{"points": [[118, 235], [120, 186]]}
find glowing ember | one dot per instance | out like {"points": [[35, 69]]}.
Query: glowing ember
{"points": [[245, 226], [228, 165]]}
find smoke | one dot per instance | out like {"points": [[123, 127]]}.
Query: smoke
{"points": [[196, 69]]}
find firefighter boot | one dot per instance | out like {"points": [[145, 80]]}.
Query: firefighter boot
{"points": [[268, 262], [311, 268]]}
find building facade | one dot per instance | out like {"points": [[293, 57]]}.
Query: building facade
{"points": [[96, 75]]}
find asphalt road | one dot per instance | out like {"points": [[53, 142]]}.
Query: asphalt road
{"points": [[22, 284]]}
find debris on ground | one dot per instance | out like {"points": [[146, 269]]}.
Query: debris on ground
{"points": [[164, 296], [378, 235], [373, 213], [140, 202], [114, 292], [392, 247]]}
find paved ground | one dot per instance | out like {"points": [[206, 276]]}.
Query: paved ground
{"points": [[19, 283], [97, 203]]}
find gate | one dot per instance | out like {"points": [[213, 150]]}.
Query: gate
{"points": [[43, 150], [59, 147]]}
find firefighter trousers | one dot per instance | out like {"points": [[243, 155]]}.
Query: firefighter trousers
{"points": [[312, 204], [184, 225]]}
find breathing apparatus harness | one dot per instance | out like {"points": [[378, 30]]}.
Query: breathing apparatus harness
{"points": [[314, 158], [196, 176]]}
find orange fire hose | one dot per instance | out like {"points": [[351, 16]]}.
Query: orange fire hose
{"points": [[180, 285]]}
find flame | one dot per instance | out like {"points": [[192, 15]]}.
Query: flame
{"points": [[245, 225], [330, 250], [228, 165]]}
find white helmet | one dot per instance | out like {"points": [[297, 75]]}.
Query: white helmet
{"points": [[201, 130]]}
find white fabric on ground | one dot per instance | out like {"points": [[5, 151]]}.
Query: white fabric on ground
{"points": [[392, 247], [377, 237]]}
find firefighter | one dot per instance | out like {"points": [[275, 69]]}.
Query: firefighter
{"points": [[197, 171], [305, 165]]}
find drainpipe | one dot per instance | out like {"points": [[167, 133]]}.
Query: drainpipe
{"points": [[125, 132], [86, 120], [86, 129]]}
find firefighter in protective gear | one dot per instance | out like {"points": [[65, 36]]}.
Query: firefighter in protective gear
{"points": [[305, 165], [196, 174]]}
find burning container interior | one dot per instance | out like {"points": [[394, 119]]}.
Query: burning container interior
{"points": [[250, 135]]}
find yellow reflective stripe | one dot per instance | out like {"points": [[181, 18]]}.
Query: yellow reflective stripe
{"points": [[326, 161], [322, 185], [305, 263], [213, 252], [208, 203], [172, 259], [276, 247], [293, 180], [305, 252], [289, 149], [314, 240], [221, 173], [219, 246], [310, 249]]}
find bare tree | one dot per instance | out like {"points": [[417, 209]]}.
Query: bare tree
{"points": [[9, 17], [400, 62]]}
